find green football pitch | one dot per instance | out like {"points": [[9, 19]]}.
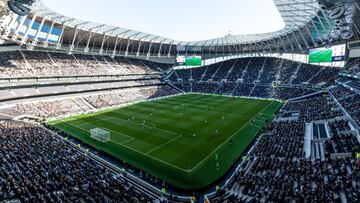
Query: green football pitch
{"points": [[189, 141]]}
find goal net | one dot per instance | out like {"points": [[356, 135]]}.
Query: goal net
{"points": [[100, 135]]}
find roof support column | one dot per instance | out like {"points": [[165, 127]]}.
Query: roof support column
{"points": [[357, 29], [316, 30], [25, 37], [282, 42], [275, 45], [263, 45], [291, 45], [48, 35], [72, 47], [311, 37], [38, 32], [321, 23], [268, 44], [61, 38], [138, 50], [119, 39], [302, 36], [202, 51], [257, 48], [169, 52], [127, 47], [148, 54], [357, 5], [115, 45], [11, 23], [231, 51], [299, 45], [159, 52], [161, 45], [102, 44], [326, 18], [21, 22], [223, 49], [87, 48]]}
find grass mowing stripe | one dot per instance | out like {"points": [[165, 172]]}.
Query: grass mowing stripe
{"points": [[82, 129], [159, 129], [86, 130], [191, 105], [164, 144], [199, 107], [135, 129], [178, 152], [178, 123], [113, 131], [221, 145]]}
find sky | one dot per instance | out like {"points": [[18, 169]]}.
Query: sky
{"points": [[184, 20]]}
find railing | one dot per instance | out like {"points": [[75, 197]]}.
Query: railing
{"points": [[352, 121]]}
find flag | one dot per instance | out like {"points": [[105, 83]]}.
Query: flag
{"points": [[358, 155]]}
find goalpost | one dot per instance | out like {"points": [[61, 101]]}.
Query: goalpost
{"points": [[100, 135]]}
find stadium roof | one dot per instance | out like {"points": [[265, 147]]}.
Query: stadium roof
{"points": [[295, 14], [183, 20], [308, 24]]}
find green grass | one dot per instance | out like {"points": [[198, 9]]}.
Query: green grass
{"points": [[178, 141]]}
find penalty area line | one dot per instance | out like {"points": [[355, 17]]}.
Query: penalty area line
{"points": [[156, 159]]}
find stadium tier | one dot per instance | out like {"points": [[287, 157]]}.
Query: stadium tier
{"points": [[91, 112], [17, 64], [256, 77]]}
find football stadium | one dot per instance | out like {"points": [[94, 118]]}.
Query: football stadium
{"points": [[126, 110]]}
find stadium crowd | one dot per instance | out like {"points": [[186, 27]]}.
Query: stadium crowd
{"points": [[277, 171], [63, 107], [352, 67], [318, 107], [349, 100], [38, 63], [264, 70], [37, 166], [256, 77], [343, 139], [241, 89]]}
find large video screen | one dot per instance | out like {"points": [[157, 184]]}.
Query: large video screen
{"points": [[324, 55], [189, 60], [193, 61]]}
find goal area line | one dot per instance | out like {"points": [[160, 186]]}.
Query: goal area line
{"points": [[146, 154]]}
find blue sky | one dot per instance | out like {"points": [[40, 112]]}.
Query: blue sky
{"points": [[186, 20]]}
